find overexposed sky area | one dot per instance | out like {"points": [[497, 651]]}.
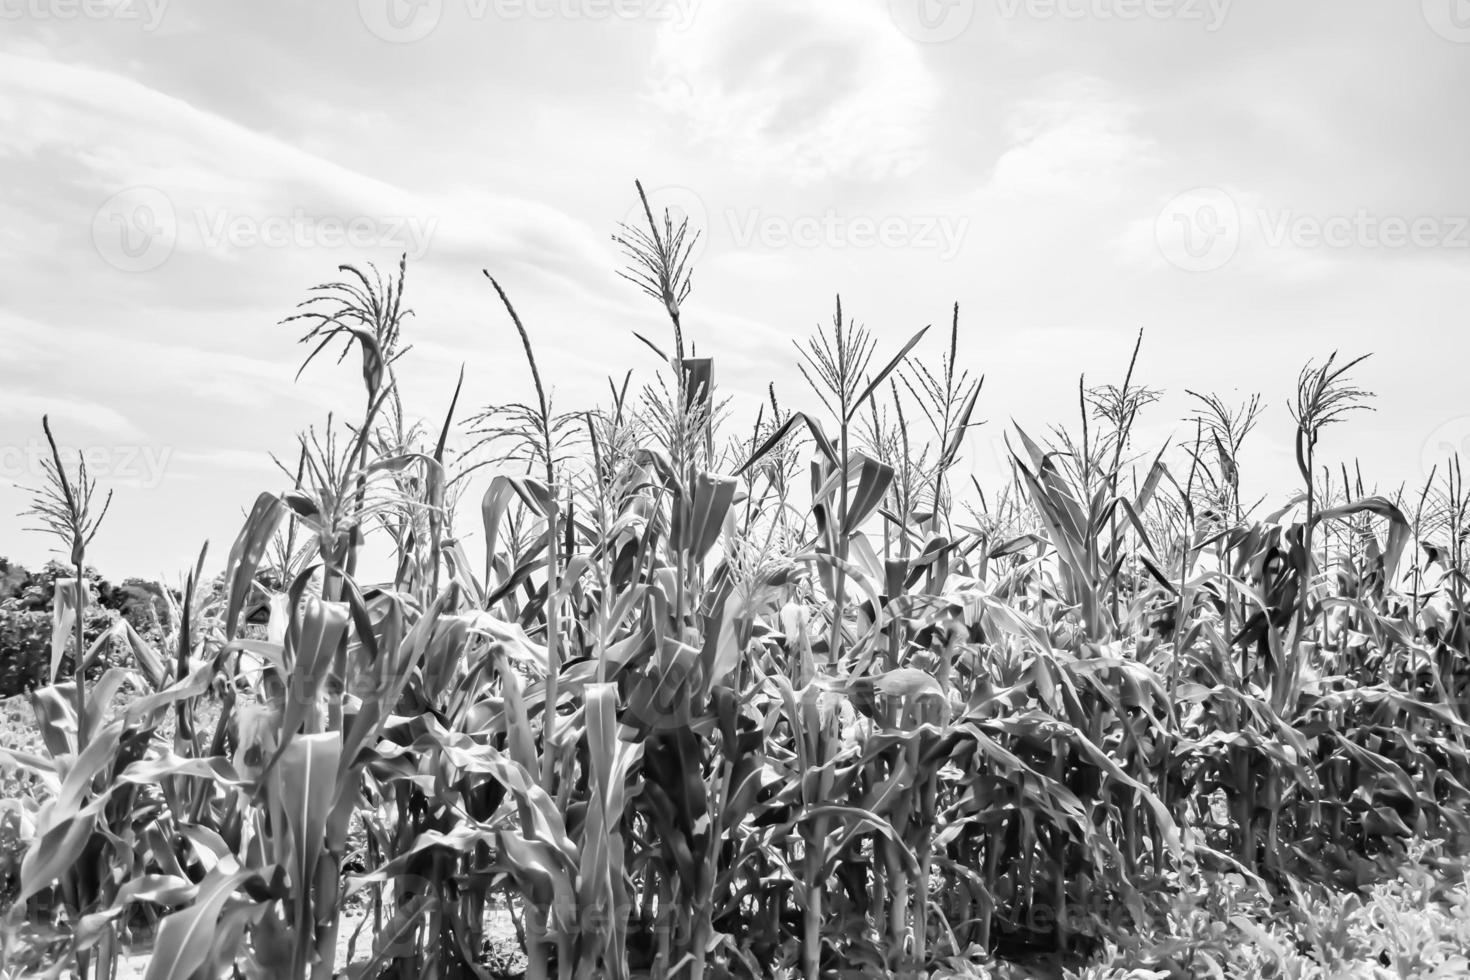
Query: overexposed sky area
{"points": [[1251, 183]]}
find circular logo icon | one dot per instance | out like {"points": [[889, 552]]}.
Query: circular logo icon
{"points": [[1450, 19], [681, 204], [1199, 230], [1449, 440], [932, 21], [400, 21], [135, 229]]}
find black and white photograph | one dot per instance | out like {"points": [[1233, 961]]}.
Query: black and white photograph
{"points": [[734, 489]]}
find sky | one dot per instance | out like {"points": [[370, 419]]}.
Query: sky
{"points": [[1251, 184]]}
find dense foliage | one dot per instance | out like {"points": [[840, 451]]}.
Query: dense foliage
{"points": [[786, 703], [26, 617]]}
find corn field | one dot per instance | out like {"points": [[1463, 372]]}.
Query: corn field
{"points": [[676, 695]]}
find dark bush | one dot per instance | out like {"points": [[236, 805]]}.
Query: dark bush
{"points": [[25, 648]]}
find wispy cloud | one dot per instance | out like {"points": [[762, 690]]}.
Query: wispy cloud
{"points": [[152, 164], [25, 408], [805, 89], [1071, 139]]}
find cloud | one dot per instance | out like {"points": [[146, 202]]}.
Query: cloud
{"points": [[1074, 140], [26, 408], [204, 322], [226, 189], [255, 461], [802, 88]]}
